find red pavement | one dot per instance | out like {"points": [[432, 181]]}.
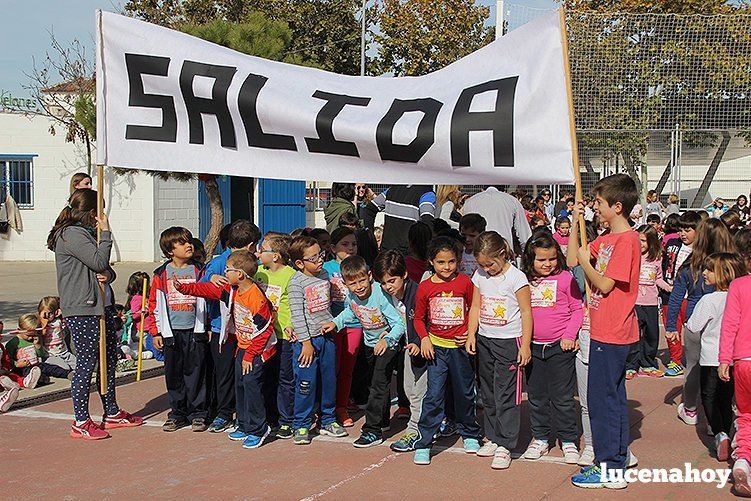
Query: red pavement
{"points": [[40, 460]]}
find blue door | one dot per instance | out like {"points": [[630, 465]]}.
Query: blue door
{"points": [[204, 210], [281, 205]]}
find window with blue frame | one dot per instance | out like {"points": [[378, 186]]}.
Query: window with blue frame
{"points": [[17, 179]]}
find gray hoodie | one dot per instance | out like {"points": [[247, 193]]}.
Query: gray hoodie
{"points": [[78, 259]]}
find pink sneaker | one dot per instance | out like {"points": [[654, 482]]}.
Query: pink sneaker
{"points": [[88, 431], [121, 420]]}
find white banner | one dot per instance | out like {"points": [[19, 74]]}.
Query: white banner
{"points": [[168, 101]]}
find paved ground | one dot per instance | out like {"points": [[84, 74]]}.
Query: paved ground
{"points": [[148, 462]]}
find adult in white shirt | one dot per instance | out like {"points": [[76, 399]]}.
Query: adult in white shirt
{"points": [[503, 213]]}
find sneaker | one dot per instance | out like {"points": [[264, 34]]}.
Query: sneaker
{"points": [[88, 431], [402, 413], [630, 374], [219, 424], [673, 370], [422, 456], [368, 439], [253, 441], [632, 459], [233, 426], [650, 372], [587, 457], [722, 446], [121, 420], [8, 383], [302, 436], [687, 416], [536, 450], [448, 428], [487, 450], [199, 425], [501, 459], [343, 417], [32, 378], [8, 398], [125, 365], [406, 442], [591, 478], [174, 424], [570, 453], [333, 429], [471, 445], [740, 478], [284, 432], [238, 435]]}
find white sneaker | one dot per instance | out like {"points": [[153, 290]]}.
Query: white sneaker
{"points": [[8, 398], [32, 378], [632, 459], [570, 452], [687, 416], [147, 355], [487, 450], [501, 459], [587, 457], [740, 478], [536, 449], [7, 383]]}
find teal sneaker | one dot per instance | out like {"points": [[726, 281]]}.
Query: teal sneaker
{"points": [[674, 370], [422, 456], [406, 442], [255, 441], [592, 477], [471, 445]]}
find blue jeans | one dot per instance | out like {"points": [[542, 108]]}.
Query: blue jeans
{"points": [[320, 375], [285, 396], [607, 403], [453, 364]]}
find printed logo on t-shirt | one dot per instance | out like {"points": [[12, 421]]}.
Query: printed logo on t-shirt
{"points": [[446, 311], [338, 289], [245, 329], [544, 293], [370, 318], [318, 297], [176, 300], [493, 310], [28, 353], [53, 335], [586, 322], [273, 293], [469, 265], [603, 259], [648, 274]]}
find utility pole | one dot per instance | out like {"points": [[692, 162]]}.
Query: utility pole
{"points": [[362, 40], [499, 31]]}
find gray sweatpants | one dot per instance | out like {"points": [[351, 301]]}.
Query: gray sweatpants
{"points": [[582, 373], [415, 386], [691, 378], [65, 360]]}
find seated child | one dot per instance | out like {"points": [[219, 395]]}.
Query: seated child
{"points": [[25, 350], [246, 315], [10, 388], [54, 332], [382, 328]]}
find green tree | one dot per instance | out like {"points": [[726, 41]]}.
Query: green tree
{"points": [[416, 37]]}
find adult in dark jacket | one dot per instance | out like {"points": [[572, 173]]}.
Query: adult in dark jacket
{"points": [[342, 195], [81, 264], [403, 205]]}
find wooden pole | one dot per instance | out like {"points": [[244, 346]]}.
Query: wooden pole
{"points": [[140, 331], [572, 130], [102, 323]]}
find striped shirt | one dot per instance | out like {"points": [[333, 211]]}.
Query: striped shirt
{"points": [[309, 303]]}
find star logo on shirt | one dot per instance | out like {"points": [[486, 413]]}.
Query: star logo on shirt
{"points": [[457, 312], [273, 298], [447, 294], [652, 275], [500, 311], [247, 322], [547, 294], [374, 319]]}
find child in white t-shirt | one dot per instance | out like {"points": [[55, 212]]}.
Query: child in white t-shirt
{"points": [[470, 227], [501, 314], [56, 350]]}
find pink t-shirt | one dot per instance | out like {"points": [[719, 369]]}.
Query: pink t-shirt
{"points": [[562, 241], [556, 307], [735, 335], [650, 277]]}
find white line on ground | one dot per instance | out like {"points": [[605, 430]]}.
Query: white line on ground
{"points": [[349, 479], [457, 449]]}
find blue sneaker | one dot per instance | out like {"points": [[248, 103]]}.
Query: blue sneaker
{"points": [[368, 439], [592, 477], [673, 370], [471, 445], [448, 428], [406, 442], [253, 441], [219, 425], [422, 456], [238, 435]]}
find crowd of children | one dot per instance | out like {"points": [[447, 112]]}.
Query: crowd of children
{"points": [[278, 334]]}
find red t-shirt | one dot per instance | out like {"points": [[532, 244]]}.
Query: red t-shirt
{"points": [[442, 309], [612, 317], [415, 268]]}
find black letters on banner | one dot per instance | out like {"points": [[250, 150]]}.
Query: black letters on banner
{"points": [[137, 65], [326, 142], [247, 102], [216, 106], [500, 121], [424, 139]]}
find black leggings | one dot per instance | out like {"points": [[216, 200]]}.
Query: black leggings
{"points": [[85, 333]]}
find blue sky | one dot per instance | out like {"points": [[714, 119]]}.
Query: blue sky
{"points": [[27, 22]]}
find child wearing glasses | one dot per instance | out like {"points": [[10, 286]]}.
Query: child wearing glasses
{"points": [[314, 353]]}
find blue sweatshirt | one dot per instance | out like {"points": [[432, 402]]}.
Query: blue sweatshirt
{"points": [[684, 286], [215, 267], [376, 314]]}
